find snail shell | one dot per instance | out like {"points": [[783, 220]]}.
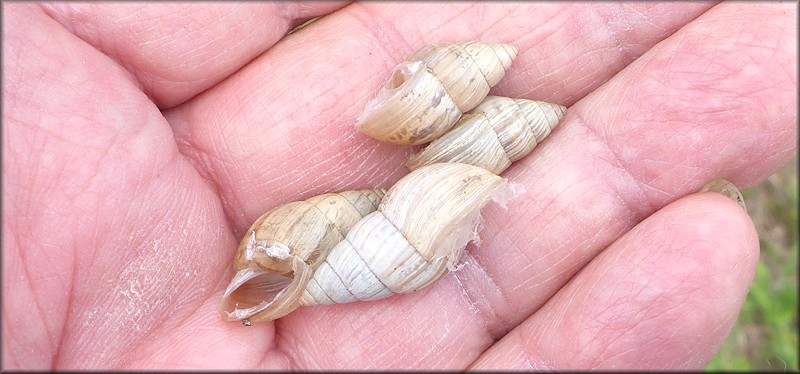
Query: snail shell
{"points": [[497, 132], [429, 91], [726, 188], [281, 249], [416, 236]]}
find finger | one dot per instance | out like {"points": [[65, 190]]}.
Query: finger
{"points": [[108, 232], [175, 50], [584, 190], [662, 297], [285, 124], [642, 140]]}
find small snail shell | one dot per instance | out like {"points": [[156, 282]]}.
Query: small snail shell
{"points": [[416, 236], [281, 249], [429, 91], [726, 188], [497, 132]]}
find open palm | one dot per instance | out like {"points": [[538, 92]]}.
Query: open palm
{"points": [[140, 142]]}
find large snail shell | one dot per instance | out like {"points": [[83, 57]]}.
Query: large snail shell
{"points": [[497, 132], [429, 91], [417, 235], [283, 247]]}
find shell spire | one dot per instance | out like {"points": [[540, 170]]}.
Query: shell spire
{"points": [[430, 89]]}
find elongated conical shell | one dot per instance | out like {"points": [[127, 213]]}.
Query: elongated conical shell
{"points": [[283, 247], [429, 91], [415, 238], [497, 132]]}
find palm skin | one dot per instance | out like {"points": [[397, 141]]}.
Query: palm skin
{"points": [[136, 153]]}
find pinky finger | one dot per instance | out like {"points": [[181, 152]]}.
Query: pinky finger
{"points": [[664, 296]]}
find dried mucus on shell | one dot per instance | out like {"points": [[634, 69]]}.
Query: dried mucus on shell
{"points": [[431, 88]]}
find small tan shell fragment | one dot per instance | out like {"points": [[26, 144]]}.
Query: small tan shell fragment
{"points": [[497, 132], [726, 188], [415, 238], [283, 247], [429, 91]]}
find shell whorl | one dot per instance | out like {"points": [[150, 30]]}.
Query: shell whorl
{"points": [[467, 70], [414, 238], [282, 248], [497, 132], [430, 89]]}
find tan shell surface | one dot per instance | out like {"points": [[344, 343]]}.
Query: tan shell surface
{"points": [[413, 108], [497, 132], [431, 88]]}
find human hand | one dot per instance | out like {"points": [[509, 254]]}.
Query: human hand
{"points": [[120, 220]]}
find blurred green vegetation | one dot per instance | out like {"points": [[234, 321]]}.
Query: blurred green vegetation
{"points": [[765, 335]]}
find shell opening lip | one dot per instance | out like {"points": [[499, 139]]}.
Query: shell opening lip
{"points": [[252, 291], [240, 314], [402, 74]]}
